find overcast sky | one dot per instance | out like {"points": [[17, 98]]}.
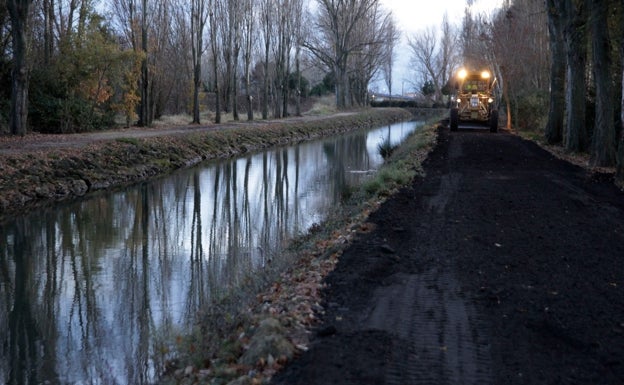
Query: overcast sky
{"points": [[412, 16]]}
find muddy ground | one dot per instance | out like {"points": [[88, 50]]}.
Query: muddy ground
{"points": [[504, 265]]}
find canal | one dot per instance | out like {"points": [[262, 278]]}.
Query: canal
{"points": [[90, 290]]}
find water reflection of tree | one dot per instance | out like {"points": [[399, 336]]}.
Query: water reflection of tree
{"points": [[23, 338], [197, 288], [103, 275]]}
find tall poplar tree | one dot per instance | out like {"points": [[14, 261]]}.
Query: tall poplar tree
{"points": [[199, 17], [603, 144], [576, 139], [554, 126], [145, 116]]}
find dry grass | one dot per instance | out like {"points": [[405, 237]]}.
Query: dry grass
{"points": [[324, 106], [173, 120]]}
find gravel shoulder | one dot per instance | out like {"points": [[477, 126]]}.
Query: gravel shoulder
{"points": [[503, 265]]}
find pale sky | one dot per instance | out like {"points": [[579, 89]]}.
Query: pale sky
{"points": [[412, 16]]}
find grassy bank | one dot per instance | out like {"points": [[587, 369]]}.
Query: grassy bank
{"points": [[248, 335], [30, 179]]}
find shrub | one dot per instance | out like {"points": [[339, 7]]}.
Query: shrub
{"points": [[532, 110]]}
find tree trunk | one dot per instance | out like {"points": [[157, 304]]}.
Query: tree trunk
{"points": [[603, 146], [250, 114], [236, 30], [285, 88], [18, 119], [235, 88], [196, 88], [249, 97], [48, 30], [298, 91], [145, 113], [340, 87], [265, 88], [554, 127], [198, 21], [576, 51], [619, 175], [217, 101]]}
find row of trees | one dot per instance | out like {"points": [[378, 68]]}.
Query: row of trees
{"points": [[559, 64], [77, 65]]}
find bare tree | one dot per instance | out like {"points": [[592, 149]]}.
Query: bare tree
{"points": [[435, 58], [19, 11], [554, 127], [603, 146], [620, 152], [389, 56], [213, 6], [575, 33], [126, 17], [448, 57], [145, 115], [424, 48], [235, 31], [375, 37], [472, 50], [287, 17], [279, 59], [518, 51], [299, 30], [228, 26], [336, 22], [266, 23], [176, 62], [199, 17], [248, 32], [48, 30]]}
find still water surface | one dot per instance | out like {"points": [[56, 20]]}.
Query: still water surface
{"points": [[88, 289]]}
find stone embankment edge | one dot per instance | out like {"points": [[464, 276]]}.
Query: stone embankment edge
{"points": [[34, 179]]}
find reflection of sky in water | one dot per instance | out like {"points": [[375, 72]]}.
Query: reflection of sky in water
{"points": [[87, 288]]}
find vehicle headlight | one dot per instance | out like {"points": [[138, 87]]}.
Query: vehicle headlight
{"points": [[490, 100], [458, 100], [462, 74], [485, 75]]}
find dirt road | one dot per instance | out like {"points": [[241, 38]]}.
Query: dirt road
{"points": [[504, 265]]}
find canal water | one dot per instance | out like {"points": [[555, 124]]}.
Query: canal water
{"points": [[89, 289]]}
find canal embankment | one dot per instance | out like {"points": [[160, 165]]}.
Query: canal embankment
{"points": [[136, 263], [40, 170]]}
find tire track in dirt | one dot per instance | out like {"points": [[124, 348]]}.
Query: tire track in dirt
{"points": [[427, 311]]}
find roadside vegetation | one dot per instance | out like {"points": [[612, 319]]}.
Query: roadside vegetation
{"points": [[249, 334]]}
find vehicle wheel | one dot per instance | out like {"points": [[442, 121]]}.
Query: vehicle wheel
{"points": [[494, 121], [454, 119]]}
